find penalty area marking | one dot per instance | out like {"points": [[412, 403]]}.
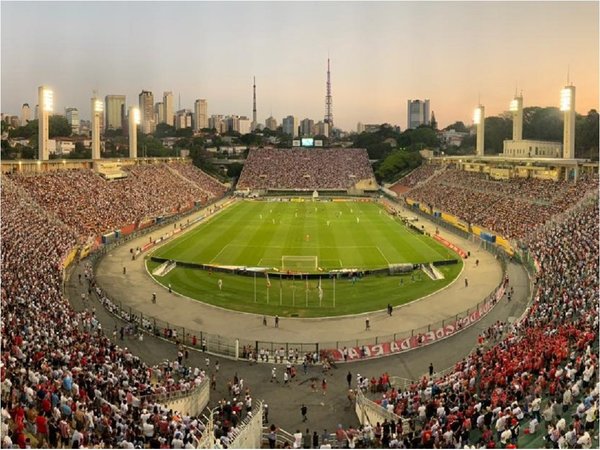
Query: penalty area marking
{"points": [[381, 253], [219, 254]]}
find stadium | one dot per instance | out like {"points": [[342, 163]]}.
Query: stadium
{"points": [[141, 307]]}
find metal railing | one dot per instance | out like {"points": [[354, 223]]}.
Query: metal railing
{"points": [[372, 413], [249, 434]]}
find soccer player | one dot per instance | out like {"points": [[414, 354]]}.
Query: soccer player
{"points": [[220, 283], [357, 220]]}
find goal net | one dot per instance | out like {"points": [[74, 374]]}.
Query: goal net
{"points": [[295, 263]]}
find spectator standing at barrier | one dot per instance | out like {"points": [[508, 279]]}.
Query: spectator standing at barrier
{"points": [[307, 439], [298, 439], [272, 437]]}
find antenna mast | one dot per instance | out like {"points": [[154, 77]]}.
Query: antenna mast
{"points": [[254, 105], [328, 101]]}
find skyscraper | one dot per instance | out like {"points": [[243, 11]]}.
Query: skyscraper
{"points": [[417, 113], [271, 123], [321, 129], [168, 108], [114, 107], [307, 127], [244, 125], [25, 114], [72, 115], [183, 119], [200, 114], [290, 126], [159, 112], [147, 112]]}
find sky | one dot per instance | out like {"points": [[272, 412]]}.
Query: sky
{"points": [[382, 53]]}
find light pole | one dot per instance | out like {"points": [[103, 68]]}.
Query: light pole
{"points": [[567, 106], [134, 121], [46, 102], [479, 120], [97, 110]]}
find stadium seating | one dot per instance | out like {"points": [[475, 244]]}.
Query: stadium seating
{"points": [[512, 208], [306, 169], [91, 205], [543, 366], [417, 176], [63, 380]]}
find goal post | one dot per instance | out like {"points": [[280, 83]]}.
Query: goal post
{"points": [[294, 263]]}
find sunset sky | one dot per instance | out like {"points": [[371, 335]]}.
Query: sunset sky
{"points": [[381, 55]]}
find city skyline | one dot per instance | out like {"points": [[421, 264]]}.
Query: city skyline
{"points": [[382, 54]]}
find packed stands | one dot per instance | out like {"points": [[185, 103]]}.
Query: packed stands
{"points": [[64, 383], [416, 177], [308, 169], [205, 182], [536, 376], [91, 205], [512, 208]]}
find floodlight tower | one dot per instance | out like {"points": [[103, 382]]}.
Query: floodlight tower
{"points": [[134, 121], [567, 105], [97, 110], [45, 102], [479, 120], [516, 107]]}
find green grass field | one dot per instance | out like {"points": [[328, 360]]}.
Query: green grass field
{"points": [[339, 234]]}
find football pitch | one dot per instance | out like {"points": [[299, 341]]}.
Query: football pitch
{"points": [[303, 236]]}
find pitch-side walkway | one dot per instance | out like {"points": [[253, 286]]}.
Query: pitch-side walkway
{"points": [[136, 287]]}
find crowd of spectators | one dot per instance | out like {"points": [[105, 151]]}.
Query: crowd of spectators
{"points": [[540, 378], [310, 169], [91, 205], [417, 176], [512, 208], [64, 383], [208, 184]]}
